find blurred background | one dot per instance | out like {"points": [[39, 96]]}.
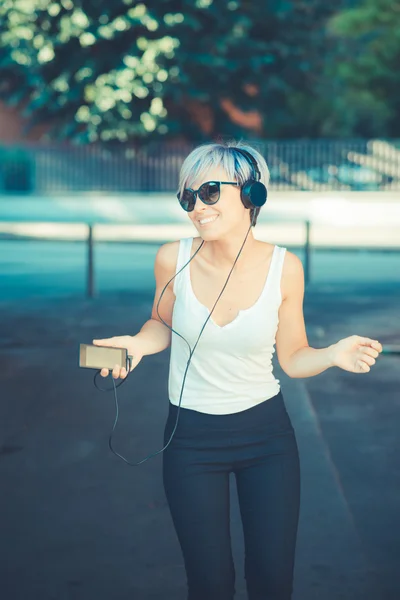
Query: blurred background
{"points": [[100, 102]]}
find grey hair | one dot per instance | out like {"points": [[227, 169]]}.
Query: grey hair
{"points": [[238, 168]]}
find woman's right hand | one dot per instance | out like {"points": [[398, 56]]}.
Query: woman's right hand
{"points": [[123, 341]]}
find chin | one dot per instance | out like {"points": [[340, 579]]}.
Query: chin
{"points": [[209, 234], [209, 237]]}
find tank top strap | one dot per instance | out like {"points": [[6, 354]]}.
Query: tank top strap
{"points": [[277, 267], [185, 245], [279, 258]]}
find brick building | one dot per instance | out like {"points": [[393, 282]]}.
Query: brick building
{"points": [[11, 126]]}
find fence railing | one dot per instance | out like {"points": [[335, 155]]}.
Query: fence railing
{"points": [[314, 165], [87, 235]]}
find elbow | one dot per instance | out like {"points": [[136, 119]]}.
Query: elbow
{"points": [[287, 371], [290, 375], [291, 367], [286, 367], [293, 375]]}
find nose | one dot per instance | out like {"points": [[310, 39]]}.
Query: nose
{"points": [[199, 206]]}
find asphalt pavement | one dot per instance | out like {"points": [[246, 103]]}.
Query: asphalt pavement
{"points": [[78, 523]]}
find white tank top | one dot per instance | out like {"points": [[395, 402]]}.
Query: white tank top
{"points": [[231, 368]]}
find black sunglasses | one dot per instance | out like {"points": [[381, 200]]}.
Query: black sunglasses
{"points": [[208, 192]]}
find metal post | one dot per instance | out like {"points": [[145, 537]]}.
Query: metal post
{"points": [[90, 278], [307, 253]]}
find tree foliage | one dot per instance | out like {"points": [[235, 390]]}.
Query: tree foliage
{"points": [[120, 70], [365, 72], [88, 67]]}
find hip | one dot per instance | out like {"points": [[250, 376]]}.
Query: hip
{"points": [[268, 418]]}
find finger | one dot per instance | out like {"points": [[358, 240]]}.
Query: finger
{"points": [[105, 342], [370, 351], [366, 354], [368, 359], [372, 343], [104, 372], [363, 366], [115, 371], [123, 373]]}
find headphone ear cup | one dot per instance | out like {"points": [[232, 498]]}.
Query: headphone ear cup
{"points": [[253, 194], [245, 193]]}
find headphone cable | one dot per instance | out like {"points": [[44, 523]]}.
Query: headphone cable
{"points": [[187, 365]]}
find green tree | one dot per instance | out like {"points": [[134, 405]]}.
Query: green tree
{"points": [[365, 73], [96, 69], [89, 68]]}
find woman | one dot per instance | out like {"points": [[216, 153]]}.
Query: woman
{"points": [[232, 416]]}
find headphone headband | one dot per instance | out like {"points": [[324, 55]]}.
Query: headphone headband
{"points": [[253, 192], [252, 160]]}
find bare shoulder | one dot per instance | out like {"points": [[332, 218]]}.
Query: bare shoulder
{"points": [[291, 262], [292, 274], [164, 271], [167, 256]]}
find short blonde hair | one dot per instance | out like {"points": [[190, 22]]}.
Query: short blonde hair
{"points": [[237, 167]]}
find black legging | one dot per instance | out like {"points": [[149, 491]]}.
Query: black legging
{"points": [[259, 446]]}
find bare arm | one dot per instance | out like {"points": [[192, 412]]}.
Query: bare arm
{"points": [[291, 337], [355, 354], [295, 355], [307, 362], [154, 336]]}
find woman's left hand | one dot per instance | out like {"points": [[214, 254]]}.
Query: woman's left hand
{"points": [[356, 354]]}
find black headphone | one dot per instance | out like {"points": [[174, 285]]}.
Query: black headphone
{"points": [[253, 195]]}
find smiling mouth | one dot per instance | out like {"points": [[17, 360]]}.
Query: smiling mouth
{"points": [[208, 220]]}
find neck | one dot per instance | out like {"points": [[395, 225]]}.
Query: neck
{"points": [[222, 253]]}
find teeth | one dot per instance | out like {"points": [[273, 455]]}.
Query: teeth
{"points": [[202, 221]]}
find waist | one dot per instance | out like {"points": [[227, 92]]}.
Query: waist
{"points": [[267, 413]]}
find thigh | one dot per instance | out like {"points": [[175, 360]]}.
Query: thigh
{"points": [[197, 492], [269, 500]]}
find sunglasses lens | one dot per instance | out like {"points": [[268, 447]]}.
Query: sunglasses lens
{"points": [[209, 192], [187, 200]]}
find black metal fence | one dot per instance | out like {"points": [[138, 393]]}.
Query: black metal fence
{"points": [[314, 165]]}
